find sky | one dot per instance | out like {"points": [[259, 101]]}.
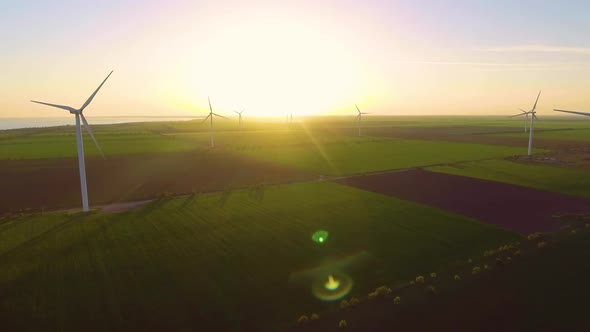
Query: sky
{"points": [[308, 57]]}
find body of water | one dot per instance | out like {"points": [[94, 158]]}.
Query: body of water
{"points": [[15, 123]]}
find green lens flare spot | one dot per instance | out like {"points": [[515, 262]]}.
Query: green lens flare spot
{"points": [[320, 236]]}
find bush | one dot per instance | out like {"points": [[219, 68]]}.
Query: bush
{"points": [[379, 292], [457, 277], [486, 266], [314, 317], [397, 300], [353, 301], [476, 270], [342, 324], [574, 231], [533, 236], [489, 253], [541, 245], [303, 319], [419, 279], [433, 275], [516, 253]]}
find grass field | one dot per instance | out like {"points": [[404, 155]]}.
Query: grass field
{"points": [[218, 261], [240, 258], [552, 178], [541, 290], [155, 137], [64, 145], [567, 134], [370, 156]]}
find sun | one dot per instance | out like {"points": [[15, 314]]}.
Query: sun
{"points": [[288, 68]]}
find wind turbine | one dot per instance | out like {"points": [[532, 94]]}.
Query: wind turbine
{"points": [[526, 118], [533, 113], [210, 116], [359, 118], [240, 115], [572, 112], [79, 115]]}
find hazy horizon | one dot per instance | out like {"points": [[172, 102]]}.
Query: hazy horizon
{"points": [[307, 57]]}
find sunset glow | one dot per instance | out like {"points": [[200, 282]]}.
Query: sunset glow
{"points": [[301, 57]]}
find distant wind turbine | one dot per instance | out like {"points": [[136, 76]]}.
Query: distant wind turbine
{"points": [[526, 118], [240, 115], [572, 112], [533, 113], [210, 116], [81, 163], [359, 118]]}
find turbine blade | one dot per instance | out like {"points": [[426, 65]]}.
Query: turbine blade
{"points": [[513, 116], [535, 106], [63, 107], [357, 108], [95, 92], [210, 108], [523, 111], [221, 116], [205, 119], [572, 112], [87, 126]]}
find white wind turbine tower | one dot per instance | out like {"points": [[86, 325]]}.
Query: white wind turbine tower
{"points": [[533, 113], [210, 116], [79, 115], [240, 119], [359, 118]]}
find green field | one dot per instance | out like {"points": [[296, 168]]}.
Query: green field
{"points": [[567, 134], [220, 260], [370, 156], [64, 145], [155, 137], [242, 258], [552, 178]]}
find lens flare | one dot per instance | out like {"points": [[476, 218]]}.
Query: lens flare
{"points": [[332, 287], [320, 236], [332, 283]]}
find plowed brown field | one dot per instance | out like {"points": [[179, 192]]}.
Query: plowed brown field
{"points": [[55, 183]]}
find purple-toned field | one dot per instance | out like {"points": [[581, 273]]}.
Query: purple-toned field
{"points": [[519, 209]]}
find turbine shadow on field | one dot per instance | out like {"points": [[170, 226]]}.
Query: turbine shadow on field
{"points": [[190, 199], [225, 197], [63, 251], [29, 243], [8, 223], [257, 193]]}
